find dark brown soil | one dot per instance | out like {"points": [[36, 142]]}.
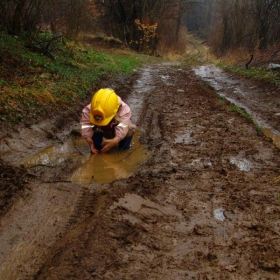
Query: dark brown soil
{"points": [[205, 205], [12, 183]]}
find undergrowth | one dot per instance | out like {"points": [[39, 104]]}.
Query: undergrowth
{"points": [[253, 65], [36, 77], [255, 73]]}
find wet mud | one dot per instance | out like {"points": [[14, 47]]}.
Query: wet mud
{"points": [[203, 204], [259, 100]]}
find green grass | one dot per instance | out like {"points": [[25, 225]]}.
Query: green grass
{"points": [[33, 81], [255, 73], [240, 111]]}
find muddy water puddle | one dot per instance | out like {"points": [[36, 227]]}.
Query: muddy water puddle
{"points": [[272, 135], [262, 106], [242, 164], [105, 168], [100, 168]]}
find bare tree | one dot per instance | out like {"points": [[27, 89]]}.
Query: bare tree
{"points": [[251, 24], [142, 24], [22, 15]]}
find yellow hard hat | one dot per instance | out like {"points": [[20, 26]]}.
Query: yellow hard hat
{"points": [[104, 106]]}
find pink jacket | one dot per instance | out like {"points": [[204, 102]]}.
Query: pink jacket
{"points": [[121, 130]]}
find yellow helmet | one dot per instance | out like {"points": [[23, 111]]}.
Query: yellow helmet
{"points": [[104, 106]]}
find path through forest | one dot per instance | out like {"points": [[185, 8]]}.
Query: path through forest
{"points": [[203, 204]]}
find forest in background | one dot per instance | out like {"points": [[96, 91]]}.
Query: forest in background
{"points": [[238, 27], [154, 26], [140, 25]]}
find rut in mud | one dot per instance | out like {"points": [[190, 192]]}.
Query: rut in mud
{"points": [[204, 205]]}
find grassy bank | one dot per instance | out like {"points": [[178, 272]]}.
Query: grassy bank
{"points": [[254, 66], [37, 76], [261, 74]]}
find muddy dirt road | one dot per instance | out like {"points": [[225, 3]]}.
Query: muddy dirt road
{"points": [[203, 204]]}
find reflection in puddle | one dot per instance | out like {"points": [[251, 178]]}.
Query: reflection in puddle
{"points": [[100, 168], [56, 154], [105, 168], [219, 214], [242, 164], [201, 162], [184, 138], [165, 80]]}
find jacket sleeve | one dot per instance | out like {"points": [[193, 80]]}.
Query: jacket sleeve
{"points": [[86, 125], [125, 125]]}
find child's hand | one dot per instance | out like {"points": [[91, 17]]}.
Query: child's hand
{"points": [[110, 143], [91, 145]]}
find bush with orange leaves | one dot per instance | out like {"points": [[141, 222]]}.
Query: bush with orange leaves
{"points": [[146, 39]]}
